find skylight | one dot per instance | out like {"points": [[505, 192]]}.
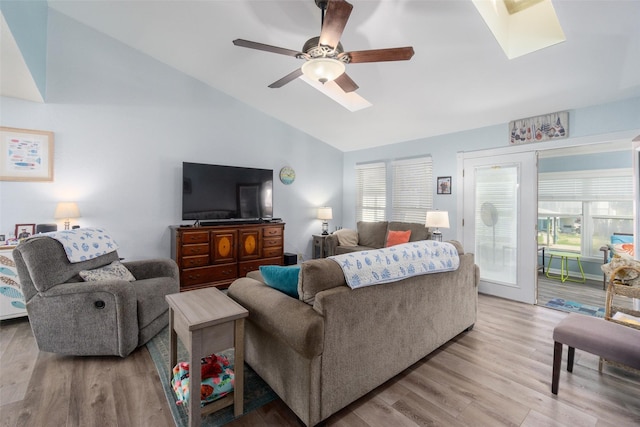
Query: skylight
{"points": [[521, 26]]}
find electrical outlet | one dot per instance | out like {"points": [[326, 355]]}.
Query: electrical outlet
{"points": [[300, 257]]}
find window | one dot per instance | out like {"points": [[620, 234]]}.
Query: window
{"points": [[409, 188], [371, 188], [579, 211], [412, 191]]}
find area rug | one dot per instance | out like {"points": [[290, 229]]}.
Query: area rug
{"points": [[575, 307], [256, 391]]}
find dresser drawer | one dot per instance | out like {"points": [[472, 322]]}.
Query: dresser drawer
{"points": [[272, 231], [196, 276], [199, 249], [272, 252], [195, 237], [195, 261], [245, 267], [269, 242]]}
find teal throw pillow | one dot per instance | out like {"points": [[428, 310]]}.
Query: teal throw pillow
{"points": [[284, 279]]}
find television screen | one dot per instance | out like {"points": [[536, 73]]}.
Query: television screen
{"points": [[217, 193]]}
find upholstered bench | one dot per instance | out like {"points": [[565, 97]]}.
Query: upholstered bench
{"points": [[608, 340]]}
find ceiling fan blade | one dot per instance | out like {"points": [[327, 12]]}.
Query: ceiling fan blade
{"points": [[380, 55], [266, 47], [345, 83], [335, 20], [286, 79]]}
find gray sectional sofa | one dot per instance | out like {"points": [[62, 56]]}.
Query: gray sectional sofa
{"points": [[334, 344], [373, 235]]}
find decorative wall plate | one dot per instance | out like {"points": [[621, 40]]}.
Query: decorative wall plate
{"points": [[287, 175]]}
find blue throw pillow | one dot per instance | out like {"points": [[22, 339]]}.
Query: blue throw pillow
{"points": [[284, 279]]}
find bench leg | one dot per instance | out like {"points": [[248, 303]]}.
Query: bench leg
{"points": [[570, 355], [557, 361]]}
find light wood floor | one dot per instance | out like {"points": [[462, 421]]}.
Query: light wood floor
{"points": [[498, 374], [589, 293]]}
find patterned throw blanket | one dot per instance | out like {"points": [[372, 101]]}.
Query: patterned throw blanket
{"points": [[82, 244], [398, 262]]}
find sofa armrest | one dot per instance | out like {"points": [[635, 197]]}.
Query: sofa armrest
{"points": [[330, 244], [286, 318], [150, 268]]}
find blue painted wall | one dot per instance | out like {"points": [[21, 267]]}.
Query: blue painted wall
{"points": [[593, 161], [27, 20]]}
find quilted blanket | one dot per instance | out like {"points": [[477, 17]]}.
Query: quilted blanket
{"points": [[398, 262], [82, 244]]}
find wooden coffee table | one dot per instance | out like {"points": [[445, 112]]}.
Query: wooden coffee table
{"points": [[206, 321]]}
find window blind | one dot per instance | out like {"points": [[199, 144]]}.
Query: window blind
{"points": [[371, 188], [412, 189], [592, 185]]}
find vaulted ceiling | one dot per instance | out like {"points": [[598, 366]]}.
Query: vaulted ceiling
{"points": [[458, 79]]}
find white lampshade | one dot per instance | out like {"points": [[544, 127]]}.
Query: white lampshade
{"points": [[437, 219], [325, 213], [66, 211], [323, 69]]}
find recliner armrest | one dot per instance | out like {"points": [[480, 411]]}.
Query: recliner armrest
{"points": [[121, 289], [150, 268], [89, 318]]}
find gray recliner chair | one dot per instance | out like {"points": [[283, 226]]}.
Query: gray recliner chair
{"points": [[104, 317]]}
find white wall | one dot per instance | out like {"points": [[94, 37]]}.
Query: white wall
{"points": [[123, 125]]}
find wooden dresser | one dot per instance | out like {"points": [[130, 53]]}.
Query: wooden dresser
{"points": [[217, 255]]}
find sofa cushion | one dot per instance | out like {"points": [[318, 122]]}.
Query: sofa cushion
{"points": [[372, 234], [318, 275], [397, 237], [418, 230], [113, 271], [347, 237], [284, 279]]}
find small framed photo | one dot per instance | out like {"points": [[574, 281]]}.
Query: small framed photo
{"points": [[444, 185], [3, 239], [24, 230]]}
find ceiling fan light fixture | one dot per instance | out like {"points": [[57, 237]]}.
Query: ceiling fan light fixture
{"points": [[323, 69]]}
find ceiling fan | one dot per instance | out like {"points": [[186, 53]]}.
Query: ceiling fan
{"points": [[324, 55]]}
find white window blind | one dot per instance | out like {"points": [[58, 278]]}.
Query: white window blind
{"points": [[591, 185], [371, 188], [412, 192]]}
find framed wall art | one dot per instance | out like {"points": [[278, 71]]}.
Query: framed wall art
{"points": [[540, 128], [26, 155], [444, 185]]}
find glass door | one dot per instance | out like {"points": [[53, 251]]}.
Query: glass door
{"points": [[500, 194]]}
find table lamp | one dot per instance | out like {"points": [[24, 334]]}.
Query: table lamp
{"points": [[437, 219], [67, 211], [325, 214]]}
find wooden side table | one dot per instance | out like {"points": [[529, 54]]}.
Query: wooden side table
{"points": [[319, 249], [206, 321]]}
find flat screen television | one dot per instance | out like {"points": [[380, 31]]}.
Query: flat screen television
{"points": [[217, 193]]}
